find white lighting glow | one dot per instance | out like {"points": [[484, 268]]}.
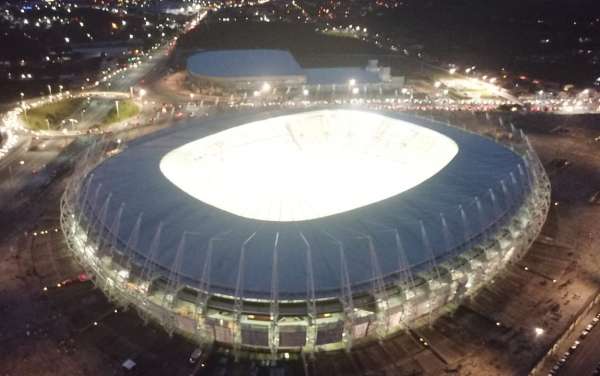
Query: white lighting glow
{"points": [[308, 165]]}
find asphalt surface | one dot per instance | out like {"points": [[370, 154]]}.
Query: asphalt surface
{"points": [[587, 355]]}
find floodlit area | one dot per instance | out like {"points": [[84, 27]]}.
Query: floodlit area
{"points": [[309, 165], [474, 87], [293, 169]]}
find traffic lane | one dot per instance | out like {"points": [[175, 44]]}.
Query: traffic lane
{"points": [[29, 170], [132, 76], [586, 357], [25, 166]]}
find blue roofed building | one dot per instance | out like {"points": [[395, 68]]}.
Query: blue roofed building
{"points": [[245, 68], [255, 69]]}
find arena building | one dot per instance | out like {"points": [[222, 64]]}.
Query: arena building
{"points": [[244, 68], [259, 68], [303, 230]]}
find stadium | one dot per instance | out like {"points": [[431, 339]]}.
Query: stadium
{"points": [[303, 230], [244, 68], [265, 70]]}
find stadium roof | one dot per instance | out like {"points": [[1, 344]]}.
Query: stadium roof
{"points": [[382, 239], [244, 63]]}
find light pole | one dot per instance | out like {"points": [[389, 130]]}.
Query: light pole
{"points": [[117, 107], [49, 90], [23, 103], [60, 87], [142, 93]]}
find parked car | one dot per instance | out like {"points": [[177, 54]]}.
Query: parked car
{"points": [[574, 346], [199, 355], [584, 334]]}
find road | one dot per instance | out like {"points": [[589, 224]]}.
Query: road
{"points": [[24, 168], [587, 355]]}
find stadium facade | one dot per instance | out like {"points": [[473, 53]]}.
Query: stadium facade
{"points": [[252, 69], [303, 230]]}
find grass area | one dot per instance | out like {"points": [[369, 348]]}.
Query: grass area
{"points": [[127, 109], [341, 34], [50, 116]]}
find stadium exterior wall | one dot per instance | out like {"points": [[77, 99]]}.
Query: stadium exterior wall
{"points": [[311, 325], [246, 83]]}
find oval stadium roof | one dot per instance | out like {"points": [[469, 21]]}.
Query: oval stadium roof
{"points": [[385, 238], [243, 63]]}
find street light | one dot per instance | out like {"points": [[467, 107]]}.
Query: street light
{"points": [[49, 90], [142, 93], [23, 103]]}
